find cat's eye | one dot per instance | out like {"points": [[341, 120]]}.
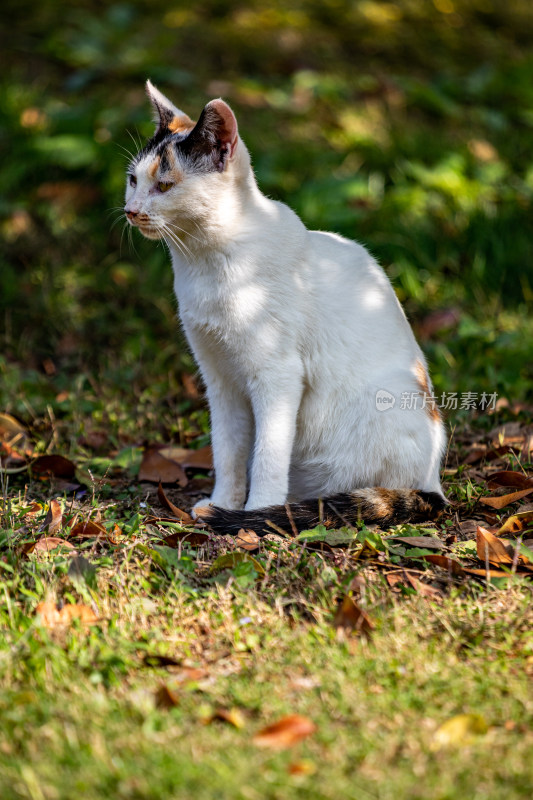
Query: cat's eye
{"points": [[164, 187], [133, 180]]}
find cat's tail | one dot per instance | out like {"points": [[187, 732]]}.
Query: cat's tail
{"points": [[383, 506]]}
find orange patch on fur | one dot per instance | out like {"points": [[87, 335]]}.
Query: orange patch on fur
{"points": [[204, 512], [181, 124], [154, 167], [423, 384]]}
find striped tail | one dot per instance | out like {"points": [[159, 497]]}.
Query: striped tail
{"points": [[383, 506]]}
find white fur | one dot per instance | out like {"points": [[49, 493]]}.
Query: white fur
{"points": [[294, 332]]}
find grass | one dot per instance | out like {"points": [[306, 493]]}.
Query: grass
{"points": [[80, 705], [405, 125]]}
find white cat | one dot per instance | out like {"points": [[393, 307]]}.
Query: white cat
{"points": [[314, 379]]}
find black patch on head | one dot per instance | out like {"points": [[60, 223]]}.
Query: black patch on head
{"points": [[205, 144]]}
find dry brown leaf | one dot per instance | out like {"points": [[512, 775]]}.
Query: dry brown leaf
{"points": [[490, 548], [423, 589], [426, 542], [158, 469], [506, 499], [52, 617], [233, 716], [193, 538], [285, 733], [449, 564], [54, 466], [350, 617], [90, 530], [168, 504], [48, 543], [54, 518], [248, 540], [190, 459], [165, 697], [507, 477]]}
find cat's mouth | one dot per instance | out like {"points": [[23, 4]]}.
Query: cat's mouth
{"points": [[147, 228]]}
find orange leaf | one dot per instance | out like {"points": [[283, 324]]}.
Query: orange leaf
{"points": [[248, 540], [449, 564], [156, 468], [54, 517], [181, 515], [422, 588], [506, 499], [285, 733], [48, 543], [231, 715], [490, 548], [351, 617], [166, 697], [52, 617], [89, 530]]}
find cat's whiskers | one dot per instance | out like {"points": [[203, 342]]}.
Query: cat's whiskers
{"points": [[173, 226], [180, 244]]}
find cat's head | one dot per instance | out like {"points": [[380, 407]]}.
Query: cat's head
{"points": [[183, 180]]}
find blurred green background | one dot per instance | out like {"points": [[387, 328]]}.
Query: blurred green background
{"points": [[406, 125]]}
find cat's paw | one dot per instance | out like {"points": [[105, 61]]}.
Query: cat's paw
{"points": [[202, 508]]}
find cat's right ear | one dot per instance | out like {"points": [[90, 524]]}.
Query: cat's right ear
{"points": [[168, 117]]}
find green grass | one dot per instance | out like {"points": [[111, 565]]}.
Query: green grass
{"points": [[405, 125]]}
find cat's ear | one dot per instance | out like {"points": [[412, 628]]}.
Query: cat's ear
{"points": [[168, 117], [215, 134]]}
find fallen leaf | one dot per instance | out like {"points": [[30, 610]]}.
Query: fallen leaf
{"points": [[449, 564], [48, 543], [168, 504], [302, 767], [459, 731], [52, 617], [350, 617], [190, 459], [13, 444], [89, 530], [192, 538], [34, 510], [509, 478], [248, 540], [231, 715], [490, 548], [425, 542], [166, 697], [158, 469], [285, 733], [54, 518], [506, 499], [423, 589], [53, 466], [517, 523]]}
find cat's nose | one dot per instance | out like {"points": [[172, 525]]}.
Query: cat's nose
{"points": [[131, 213]]}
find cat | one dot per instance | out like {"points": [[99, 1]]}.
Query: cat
{"points": [[304, 349]]}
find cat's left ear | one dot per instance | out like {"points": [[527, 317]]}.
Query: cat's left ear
{"points": [[215, 135], [168, 117]]}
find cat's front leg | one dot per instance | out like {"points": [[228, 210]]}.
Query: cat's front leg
{"points": [[275, 400], [231, 436]]}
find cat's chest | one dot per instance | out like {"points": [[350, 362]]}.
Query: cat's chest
{"points": [[219, 308]]}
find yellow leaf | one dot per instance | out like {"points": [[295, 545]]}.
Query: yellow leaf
{"points": [[459, 730]]}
